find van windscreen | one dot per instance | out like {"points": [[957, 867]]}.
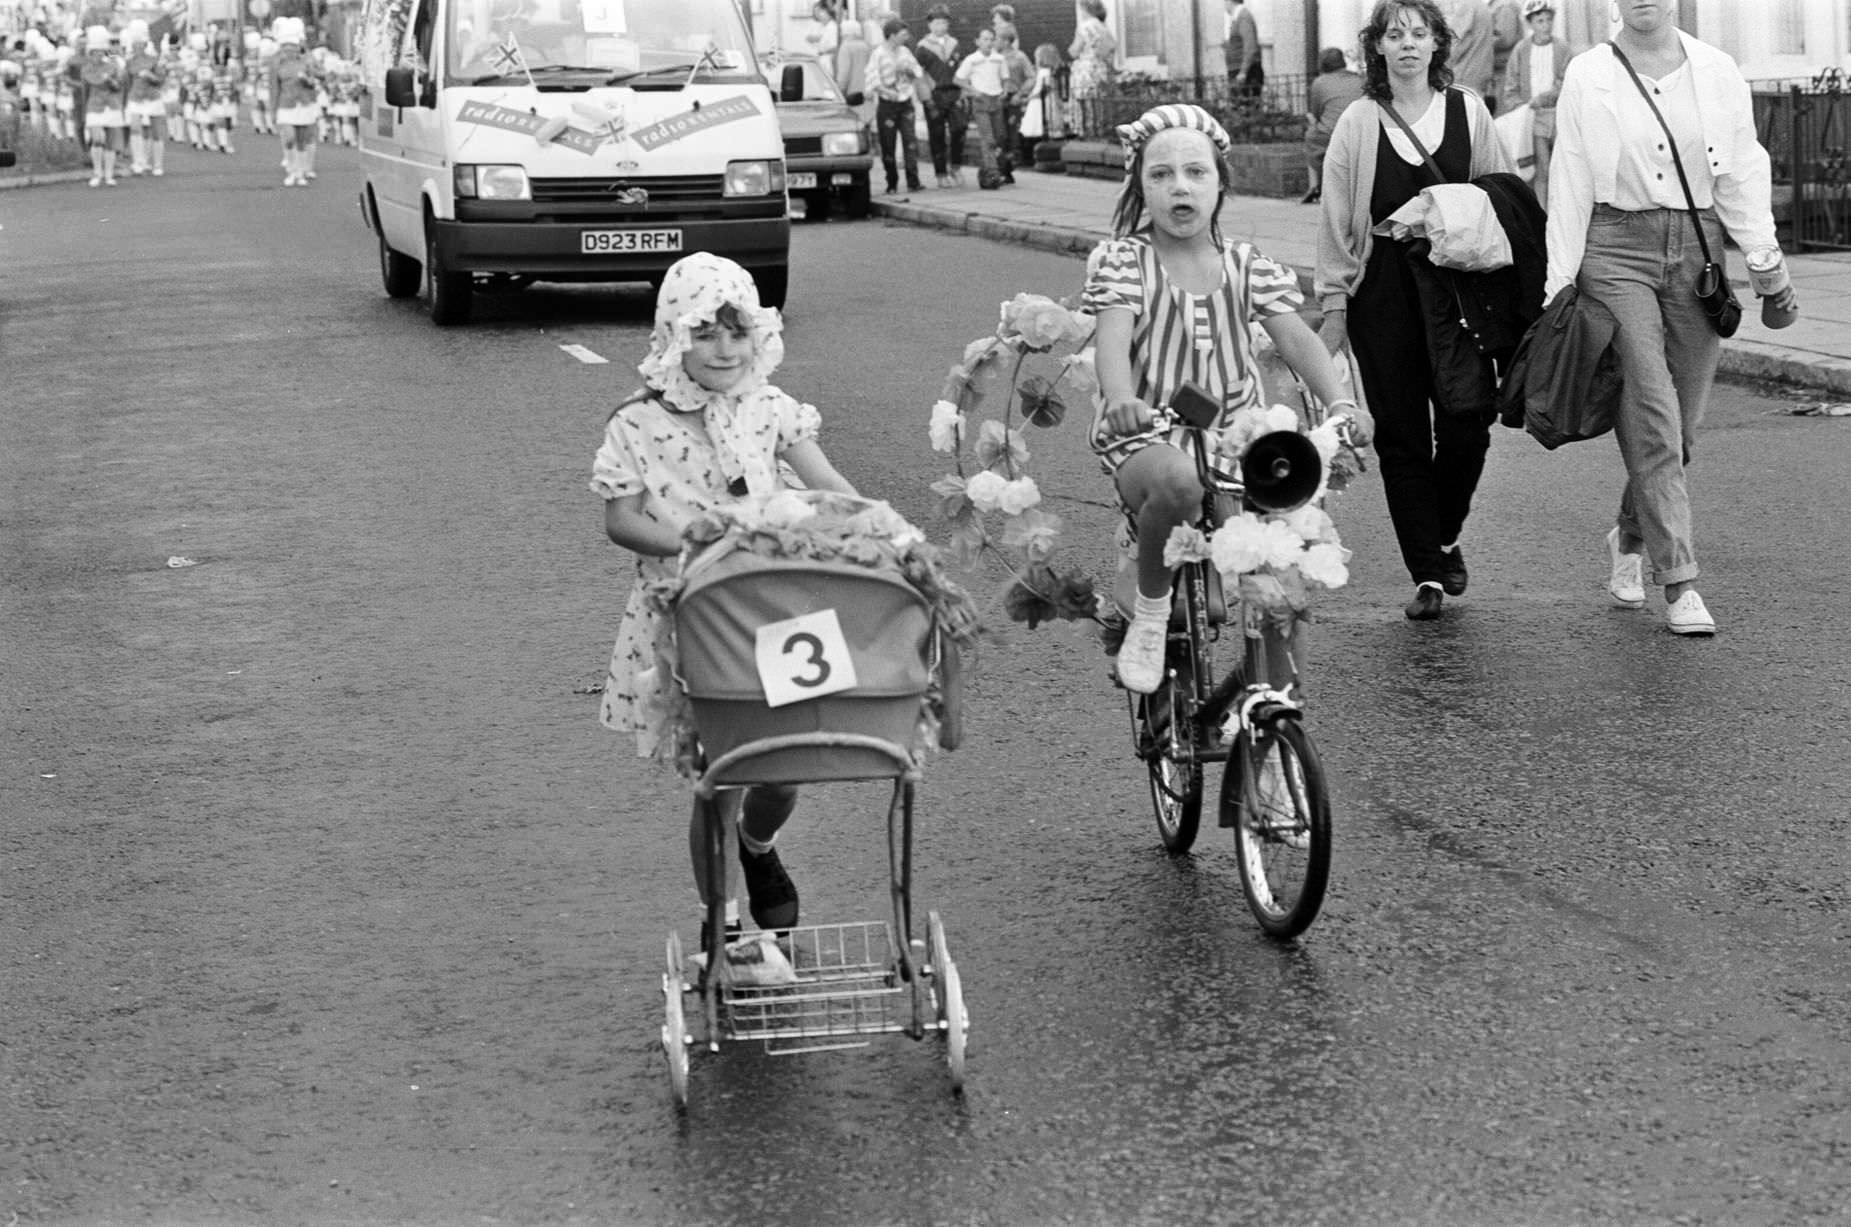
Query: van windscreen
{"points": [[512, 40]]}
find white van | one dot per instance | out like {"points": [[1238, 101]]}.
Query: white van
{"points": [[566, 140]]}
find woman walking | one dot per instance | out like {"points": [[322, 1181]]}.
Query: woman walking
{"points": [[1638, 119], [1432, 453]]}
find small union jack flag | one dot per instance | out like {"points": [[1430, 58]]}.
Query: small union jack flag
{"points": [[507, 57]]}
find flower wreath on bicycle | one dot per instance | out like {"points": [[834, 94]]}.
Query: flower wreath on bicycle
{"points": [[1174, 304]]}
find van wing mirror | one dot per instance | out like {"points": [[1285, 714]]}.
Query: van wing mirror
{"points": [[401, 88], [790, 84]]}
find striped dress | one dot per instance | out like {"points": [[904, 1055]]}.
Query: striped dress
{"points": [[1181, 337]]}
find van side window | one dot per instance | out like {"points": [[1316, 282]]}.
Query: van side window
{"points": [[424, 33]]}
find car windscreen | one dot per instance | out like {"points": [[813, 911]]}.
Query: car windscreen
{"points": [[818, 86], [660, 42]]}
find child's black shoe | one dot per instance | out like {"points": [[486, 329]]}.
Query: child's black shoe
{"points": [[772, 893]]}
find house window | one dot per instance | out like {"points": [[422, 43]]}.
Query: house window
{"points": [[1142, 29], [1790, 27]]}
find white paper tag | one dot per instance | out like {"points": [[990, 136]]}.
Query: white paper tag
{"points": [[803, 658], [603, 17]]}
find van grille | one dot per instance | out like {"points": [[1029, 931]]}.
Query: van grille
{"points": [[664, 189], [797, 146]]}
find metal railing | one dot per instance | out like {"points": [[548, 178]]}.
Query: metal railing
{"points": [[1273, 116], [1806, 128]]}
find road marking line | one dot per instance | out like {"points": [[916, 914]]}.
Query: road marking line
{"points": [[585, 355]]}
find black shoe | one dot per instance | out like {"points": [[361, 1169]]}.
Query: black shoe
{"points": [[1452, 575], [915, 186], [1423, 608], [772, 893], [1311, 197], [892, 190]]}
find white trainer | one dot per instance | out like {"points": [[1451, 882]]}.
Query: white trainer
{"points": [[1626, 581], [1688, 616], [1140, 656]]}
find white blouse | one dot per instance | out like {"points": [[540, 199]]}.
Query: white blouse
{"points": [[1647, 175]]}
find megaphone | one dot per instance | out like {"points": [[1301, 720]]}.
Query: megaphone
{"points": [[1281, 471]]}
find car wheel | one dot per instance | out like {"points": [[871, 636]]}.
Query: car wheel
{"points": [[452, 293], [855, 200]]}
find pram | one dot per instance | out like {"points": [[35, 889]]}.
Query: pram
{"points": [[802, 669]]}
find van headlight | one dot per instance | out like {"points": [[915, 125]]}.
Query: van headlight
{"points": [[754, 178], [841, 144], [492, 182]]}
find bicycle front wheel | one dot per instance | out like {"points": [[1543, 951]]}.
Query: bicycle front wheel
{"points": [[1274, 796], [1168, 742]]}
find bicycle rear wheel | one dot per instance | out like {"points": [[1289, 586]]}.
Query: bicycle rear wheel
{"points": [[1169, 754], [1281, 824]]}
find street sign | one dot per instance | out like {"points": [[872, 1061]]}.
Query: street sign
{"points": [[259, 9]]}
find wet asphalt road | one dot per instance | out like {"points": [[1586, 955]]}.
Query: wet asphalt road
{"points": [[324, 898]]}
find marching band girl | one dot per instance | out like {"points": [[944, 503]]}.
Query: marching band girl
{"points": [[294, 85], [223, 112], [147, 111], [104, 121]]}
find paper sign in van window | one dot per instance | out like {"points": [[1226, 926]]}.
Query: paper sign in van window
{"points": [[618, 54]]}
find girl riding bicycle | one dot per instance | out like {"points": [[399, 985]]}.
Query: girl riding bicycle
{"points": [[1173, 301]]}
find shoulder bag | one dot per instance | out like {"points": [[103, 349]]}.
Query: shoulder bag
{"points": [[1713, 289]]}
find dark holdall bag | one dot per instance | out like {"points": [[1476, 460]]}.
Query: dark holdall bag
{"points": [[1564, 380]]}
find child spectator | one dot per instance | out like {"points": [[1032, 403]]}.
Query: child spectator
{"points": [[982, 76]]}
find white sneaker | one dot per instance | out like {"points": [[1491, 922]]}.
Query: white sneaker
{"points": [[96, 181], [1687, 615], [1140, 656], [1626, 580]]}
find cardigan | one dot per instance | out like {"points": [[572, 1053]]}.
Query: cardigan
{"points": [[1344, 230], [1585, 166], [1517, 74]]}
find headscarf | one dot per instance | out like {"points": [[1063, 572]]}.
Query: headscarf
{"points": [[1171, 115], [693, 291]]}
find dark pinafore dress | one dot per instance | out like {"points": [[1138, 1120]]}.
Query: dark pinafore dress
{"points": [[1430, 462]]}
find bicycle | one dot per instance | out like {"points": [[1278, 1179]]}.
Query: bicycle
{"points": [[1273, 790]]}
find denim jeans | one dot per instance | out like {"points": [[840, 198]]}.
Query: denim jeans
{"points": [[946, 121], [1644, 267], [894, 124]]}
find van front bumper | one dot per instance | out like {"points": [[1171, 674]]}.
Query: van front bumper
{"points": [[556, 251]]}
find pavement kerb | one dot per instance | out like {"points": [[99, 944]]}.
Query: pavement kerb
{"points": [[1743, 359], [31, 180], [1064, 240]]}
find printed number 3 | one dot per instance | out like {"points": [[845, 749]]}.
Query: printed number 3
{"points": [[816, 660]]}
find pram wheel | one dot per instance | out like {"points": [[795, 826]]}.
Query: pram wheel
{"points": [[674, 1026], [950, 991]]}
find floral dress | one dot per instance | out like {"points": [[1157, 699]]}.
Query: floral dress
{"points": [[687, 449], [1091, 52]]}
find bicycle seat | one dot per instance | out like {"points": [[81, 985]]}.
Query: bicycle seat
{"points": [[1125, 591]]}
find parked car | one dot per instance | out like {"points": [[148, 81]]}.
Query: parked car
{"points": [[828, 150], [9, 125]]}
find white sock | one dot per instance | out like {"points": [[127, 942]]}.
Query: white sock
{"points": [[1152, 608], [755, 846]]}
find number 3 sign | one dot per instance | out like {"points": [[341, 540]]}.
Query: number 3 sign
{"points": [[803, 658]]}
